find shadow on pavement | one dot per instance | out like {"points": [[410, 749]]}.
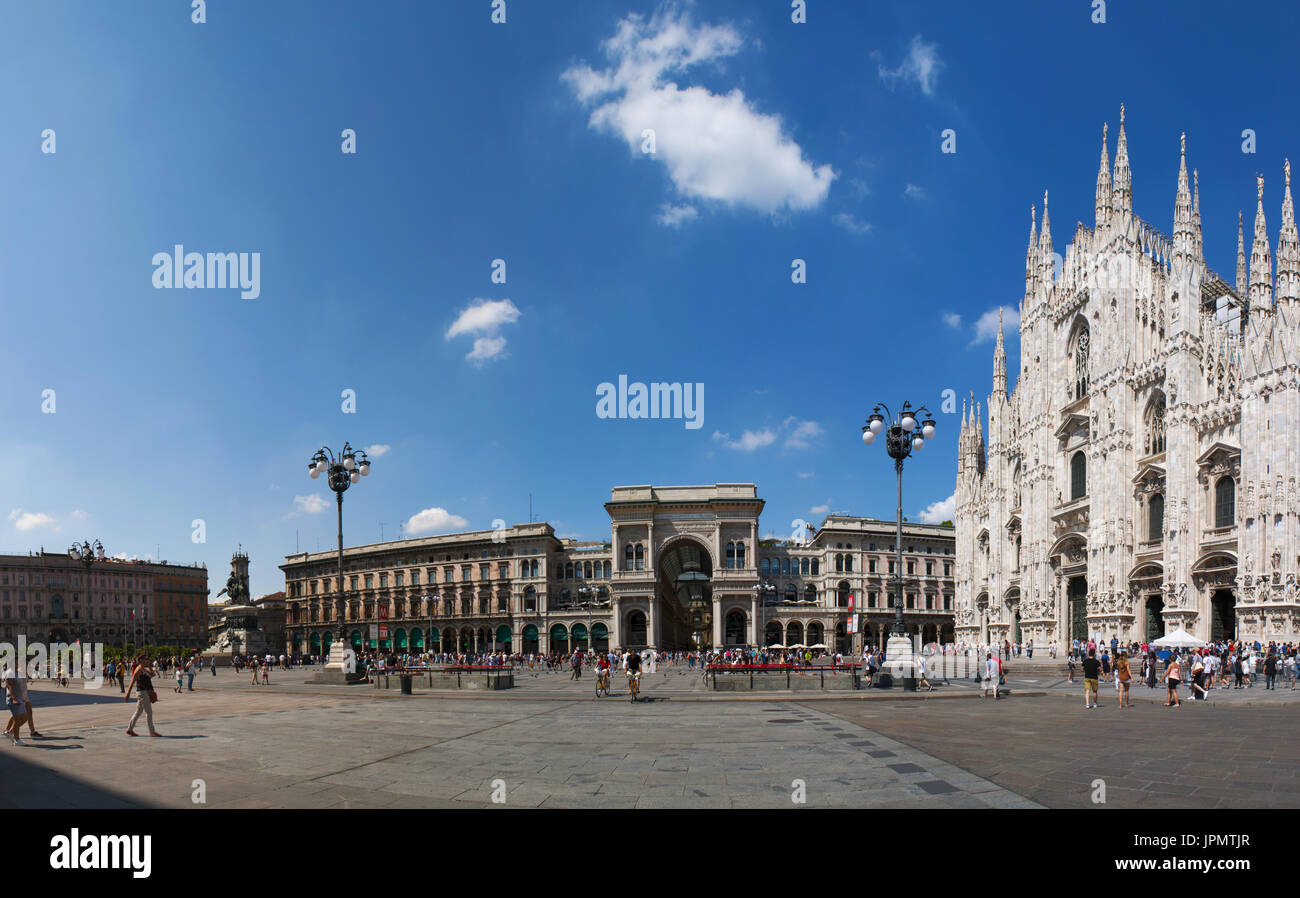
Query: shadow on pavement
{"points": [[29, 785]]}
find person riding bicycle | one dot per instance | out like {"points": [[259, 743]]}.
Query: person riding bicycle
{"points": [[632, 665], [602, 672]]}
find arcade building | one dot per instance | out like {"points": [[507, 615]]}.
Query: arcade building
{"points": [[684, 568]]}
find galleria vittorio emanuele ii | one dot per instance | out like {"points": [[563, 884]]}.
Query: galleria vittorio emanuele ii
{"points": [[1141, 475]]}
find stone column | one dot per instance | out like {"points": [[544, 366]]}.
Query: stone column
{"points": [[717, 622], [751, 631], [651, 624], [616, 623]]}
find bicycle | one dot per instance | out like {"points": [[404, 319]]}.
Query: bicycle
{"points": [[634, 685], [602, 683]]}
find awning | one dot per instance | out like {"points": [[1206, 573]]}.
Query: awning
{"points": [[579, 631], [503, 634], [530, 633], [599, 631]]}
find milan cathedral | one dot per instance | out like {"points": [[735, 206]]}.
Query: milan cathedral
{"points": [[1141, 476]]}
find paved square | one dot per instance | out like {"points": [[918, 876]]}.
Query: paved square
{"points": [[550, 743]]}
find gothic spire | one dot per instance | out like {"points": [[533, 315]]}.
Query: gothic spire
{"points": [[1000, 362], [1241, 259], [1183, 231], [1031, 254], [1045, 255], [1122, 193], [1198, 247], [1288, 246], [1103, 183], [1261, 266]]}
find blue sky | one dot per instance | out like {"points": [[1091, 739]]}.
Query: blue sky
{"points": [[521, 141]]}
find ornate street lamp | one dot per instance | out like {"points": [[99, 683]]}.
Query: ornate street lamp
{"points": [[88, 553], [901, 439], [343, 470]]}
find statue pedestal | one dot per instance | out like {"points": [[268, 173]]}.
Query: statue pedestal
{"points": [[898, 661], [336, 669]]}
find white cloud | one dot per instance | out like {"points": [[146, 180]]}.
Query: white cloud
{"points": [[714, 146], [378, 450], [915, 192], [80, 515], [986, 328], [432, 520], [952, 319], [803, 433], [805, 475], [486, 348], [484, 317], [820, 509], [31, 520], [312, 504], [938, 512], [921, 65], [672, 216], [749, 440], [851, 223]]}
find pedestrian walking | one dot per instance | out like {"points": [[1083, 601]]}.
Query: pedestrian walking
{"points": [[1124, 679], [142, 678], [992, 673], [1172, 679], [1091, 680]]}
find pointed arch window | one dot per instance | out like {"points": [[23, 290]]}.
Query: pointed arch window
{"points": [[731, 556], [1225, 502], [1155, 425], [1079, 352], [1078, 475], [1156, 518]]}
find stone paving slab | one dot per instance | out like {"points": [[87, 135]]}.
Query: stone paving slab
{"points": [[256, 748]]}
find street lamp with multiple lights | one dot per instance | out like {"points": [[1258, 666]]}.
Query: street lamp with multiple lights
{"points": [[88, 553], [343, 470], [902, 438]]}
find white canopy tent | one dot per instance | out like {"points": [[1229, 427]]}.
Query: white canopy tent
{"points": [[1179, 639]]}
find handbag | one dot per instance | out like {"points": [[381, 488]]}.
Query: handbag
{"points": [[153, 697]]}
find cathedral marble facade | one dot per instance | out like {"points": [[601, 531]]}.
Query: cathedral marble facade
{"points": [[1141, 475]]}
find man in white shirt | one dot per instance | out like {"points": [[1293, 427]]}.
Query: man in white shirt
{"points": [[992, 671]]}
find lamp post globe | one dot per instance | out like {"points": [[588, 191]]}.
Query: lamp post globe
{"points": [[341, 469], [901, 440]]}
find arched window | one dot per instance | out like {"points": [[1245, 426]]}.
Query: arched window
{"points": [[848, 564], [839, 564], [803, 566], [1155, 425], [785, 566], [740, 555], [1156, 518], [586, 568], [534, 568], [731, 556], [766, 566], [1225, 502], [791, 594], [608, 569], [530, 599], [816, 565], [1078, 475], [640, 557], [1080, 346], [842, 594]]}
